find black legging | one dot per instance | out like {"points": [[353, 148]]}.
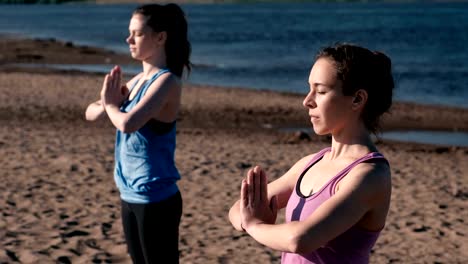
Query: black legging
{"points": [[152, 230]]}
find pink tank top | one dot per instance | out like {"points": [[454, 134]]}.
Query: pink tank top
{"points": [[352, 246]]}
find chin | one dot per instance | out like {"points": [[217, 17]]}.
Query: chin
{"points": [[320, 132], [134, 54]]}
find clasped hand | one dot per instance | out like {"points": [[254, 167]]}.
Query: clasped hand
{"points": [[255, 207], [112, 92]]}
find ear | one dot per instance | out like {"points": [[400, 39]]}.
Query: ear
{"points": [[359, 99], [160, 38]]}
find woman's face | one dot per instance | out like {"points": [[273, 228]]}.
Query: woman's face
{"points": [[141, 39], [329, 109]]}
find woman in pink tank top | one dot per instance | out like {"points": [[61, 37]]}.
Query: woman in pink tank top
{"points": [[336, 200]]}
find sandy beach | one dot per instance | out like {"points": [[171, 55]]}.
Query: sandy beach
{"points": [[59, 204]]}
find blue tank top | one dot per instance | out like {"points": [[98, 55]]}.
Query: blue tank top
{"points": [[145, 170]]}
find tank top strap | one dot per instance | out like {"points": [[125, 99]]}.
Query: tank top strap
{"points": [[133, 86], [143, 90], [315, 158], [370, 156]]}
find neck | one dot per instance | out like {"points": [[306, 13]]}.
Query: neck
{"points": [[153, 65], [352, 143]]}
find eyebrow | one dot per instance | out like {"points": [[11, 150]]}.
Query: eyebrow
{"points": [[318, 84], [135, 29]]}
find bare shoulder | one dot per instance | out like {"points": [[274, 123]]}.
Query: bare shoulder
{"points": [[375, 170], [305, 160], [170, 79], [284, 185], [299, 166], [291, 176], [372, 179]]}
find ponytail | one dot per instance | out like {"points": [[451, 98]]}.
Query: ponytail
{"points": [[178, 48]]}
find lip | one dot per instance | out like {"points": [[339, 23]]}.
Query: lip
{"points": [[313, 117]]}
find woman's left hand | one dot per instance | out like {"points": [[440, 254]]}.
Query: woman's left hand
{"points": [[255, 207], [112, 92]]}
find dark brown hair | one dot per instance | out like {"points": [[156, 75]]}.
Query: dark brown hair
{"points": [[171, 19], [359, 68]]}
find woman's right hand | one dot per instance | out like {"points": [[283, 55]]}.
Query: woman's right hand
{"points": [[255, 207], [112, 92]]}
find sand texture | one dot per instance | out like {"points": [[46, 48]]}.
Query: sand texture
{"points": [[59, 204]]}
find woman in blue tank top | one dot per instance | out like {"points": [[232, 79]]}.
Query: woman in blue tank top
{"points": [[336, 200], [145, 118]]}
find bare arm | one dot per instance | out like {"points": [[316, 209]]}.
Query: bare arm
{"points": [[281, 188], [95, 111], [363, 189], [167, 85]]}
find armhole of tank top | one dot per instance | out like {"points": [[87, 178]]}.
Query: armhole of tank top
{"points": [[160, 128]]}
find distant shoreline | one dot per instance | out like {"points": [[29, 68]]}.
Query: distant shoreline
{"points": [[14, 51]]}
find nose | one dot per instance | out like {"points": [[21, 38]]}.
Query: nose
{"points": [[129, 39], [309, 100]]}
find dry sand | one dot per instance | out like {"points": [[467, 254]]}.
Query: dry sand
{"points": [[59, 204]]}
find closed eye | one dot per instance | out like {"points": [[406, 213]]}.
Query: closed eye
{"points": [[136, 32]]}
